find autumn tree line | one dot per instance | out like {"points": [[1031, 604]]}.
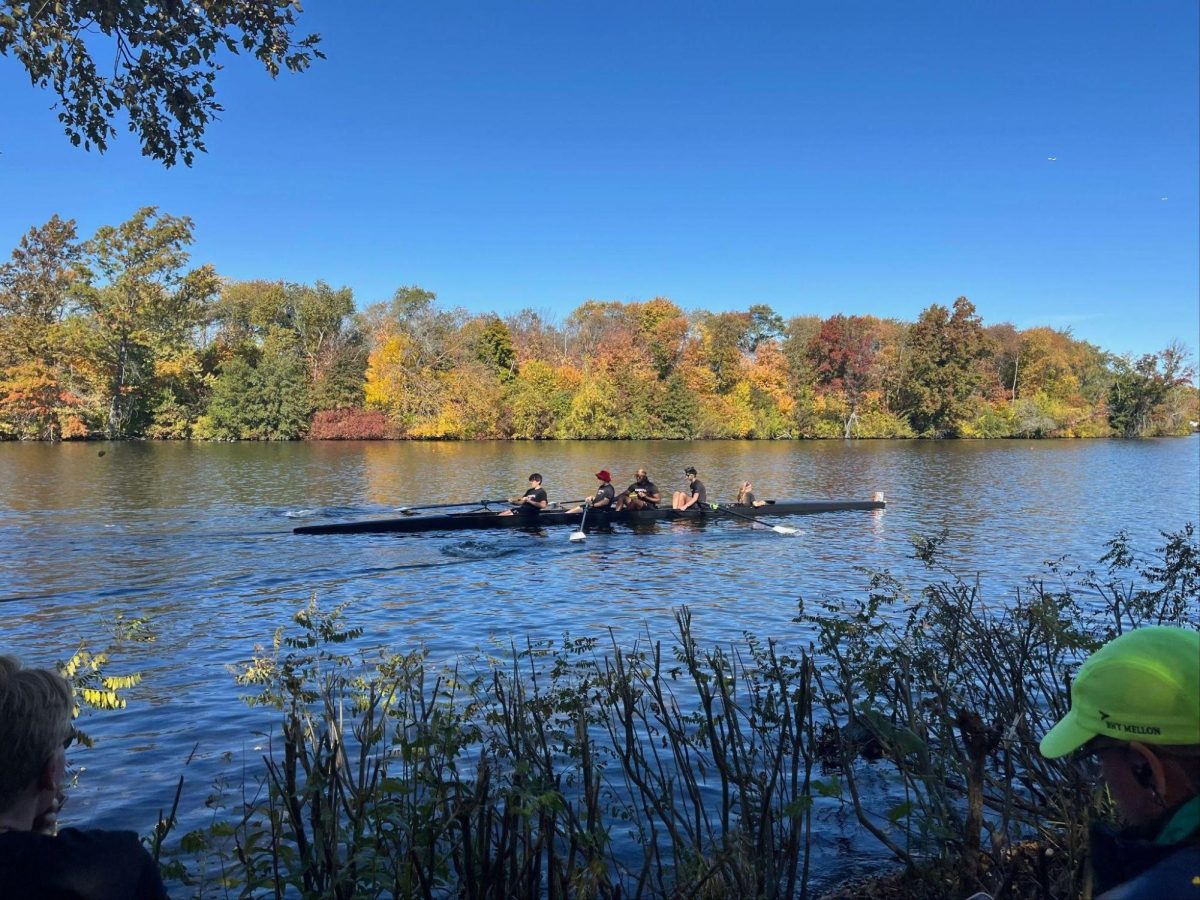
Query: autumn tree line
{"points": [[119, 336]]}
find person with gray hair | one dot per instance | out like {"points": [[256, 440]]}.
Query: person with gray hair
{"points": [[37, 859]]}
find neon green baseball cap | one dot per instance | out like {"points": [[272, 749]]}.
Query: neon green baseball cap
{"points": [[1142, 686]]}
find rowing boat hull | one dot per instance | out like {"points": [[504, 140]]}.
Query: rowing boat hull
{"points": [[597, 518]]}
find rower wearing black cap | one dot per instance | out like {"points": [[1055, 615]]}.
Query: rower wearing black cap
{"points": [[604, 496], [694, 496], [532, 502]]}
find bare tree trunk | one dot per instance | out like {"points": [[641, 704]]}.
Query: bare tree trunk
{"points": [[979, 741], [850, 420], [115, 411]]}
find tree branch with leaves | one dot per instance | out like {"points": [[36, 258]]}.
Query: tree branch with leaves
{"points": [[164, 62]]}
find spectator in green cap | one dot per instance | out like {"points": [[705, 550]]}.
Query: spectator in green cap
{"points": [[1135, 705]]}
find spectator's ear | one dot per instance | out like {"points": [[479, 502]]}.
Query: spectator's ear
{"points": [[1148, 761], [52, 775]]}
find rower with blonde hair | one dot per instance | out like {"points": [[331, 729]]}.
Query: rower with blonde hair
{"points": [[746, 497]]}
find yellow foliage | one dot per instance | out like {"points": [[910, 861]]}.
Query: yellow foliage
{"points": [[102, 699], [698, 377], [121, 682], [387, 375], [569, 377], [730, 415], [173, 367]]}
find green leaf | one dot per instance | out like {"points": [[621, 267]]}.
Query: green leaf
{"points": [[896, 813], [798, 807], [830, 788], [897, 736]]}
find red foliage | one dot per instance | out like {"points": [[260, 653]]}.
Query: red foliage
{"points": [[350, 425], [844, 353]]}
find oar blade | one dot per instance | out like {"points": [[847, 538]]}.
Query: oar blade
{"points": [[577, 536]]}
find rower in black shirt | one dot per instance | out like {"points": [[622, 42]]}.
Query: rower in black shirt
{"points": [[694, 496], [746, 497], [642, 494], [604, 496], [532, 502]]}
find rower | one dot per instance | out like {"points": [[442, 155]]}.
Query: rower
{"points": [[532, 502], [694, 496], [745, 496], [604, 496], [642, 494]]}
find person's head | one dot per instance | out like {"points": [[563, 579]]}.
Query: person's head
{"points": [[604, 475], [35, 730], [1135, 704], [641, 474], [535, 480], [690, 472], [744, 489]]}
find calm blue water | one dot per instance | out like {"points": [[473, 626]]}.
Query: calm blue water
{"points": [[197, 538]]}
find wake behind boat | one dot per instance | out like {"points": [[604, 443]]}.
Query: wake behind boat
{"points": [[488, 518]]}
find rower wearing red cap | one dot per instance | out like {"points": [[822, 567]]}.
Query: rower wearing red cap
{"points": [[604, 494]]}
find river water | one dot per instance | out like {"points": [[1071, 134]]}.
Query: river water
{"points": [[197, 538]]}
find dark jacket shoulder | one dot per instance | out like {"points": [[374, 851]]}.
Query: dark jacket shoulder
{"points": [[1177, 875], [1133, 868], [78, 864]]}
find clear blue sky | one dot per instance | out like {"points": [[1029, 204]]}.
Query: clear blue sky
{"points": [[820, 157]]}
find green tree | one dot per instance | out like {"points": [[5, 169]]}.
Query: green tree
{"points": [[416, 345], [245, 311], [680, 410], [164, 59], [493, 346], [318, 316], [326, 334], [945, 368], [329, 341], [537, 401], [339, 384], [432, 332], [799, 333], [262, 397], [37, 400], [36, 287], [591, 414], [1143, 390], [765, 325], [181, 385], [722, 337], [144, 304]]}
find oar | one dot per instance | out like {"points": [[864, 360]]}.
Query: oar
{"points": [[778, 529], [578, 536], [408, 509]]}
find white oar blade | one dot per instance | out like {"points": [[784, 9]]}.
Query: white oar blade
{"points": [[783, 529], [578, 536]]}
